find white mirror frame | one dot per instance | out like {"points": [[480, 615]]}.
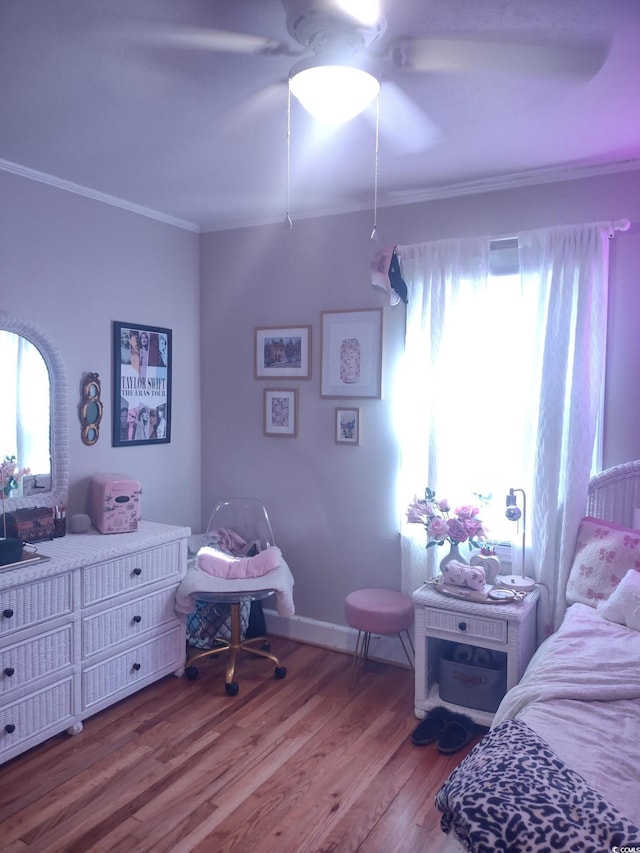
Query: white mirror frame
{"points": [[59, 427]]}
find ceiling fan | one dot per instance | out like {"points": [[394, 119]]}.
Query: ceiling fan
{"points": [[339, 41]]}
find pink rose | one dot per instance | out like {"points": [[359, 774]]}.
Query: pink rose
{"points": [[437, 528], [472, 526], [467, 511], [443, 505], [456, 530], [416, 512]]}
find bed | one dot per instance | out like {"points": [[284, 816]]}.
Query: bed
{"points": [[560, 767]]}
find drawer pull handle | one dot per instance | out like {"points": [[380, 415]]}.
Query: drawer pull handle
{"points": [[137, 618], [10, 728], [137, 572], [137, 666], [9, 671], [8, 613], [462, 626]]}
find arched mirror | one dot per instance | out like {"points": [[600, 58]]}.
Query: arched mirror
{"points": [[33, 426]]}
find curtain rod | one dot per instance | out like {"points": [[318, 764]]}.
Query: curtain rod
{"points": [[617, 225]]}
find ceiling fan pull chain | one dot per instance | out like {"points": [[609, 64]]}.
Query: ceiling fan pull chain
{"points": [[288, 224], [374, 233]]}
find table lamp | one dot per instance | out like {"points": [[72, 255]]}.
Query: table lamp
{"points": [[520, 583]]}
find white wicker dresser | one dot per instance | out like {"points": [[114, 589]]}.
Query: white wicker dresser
{"points": [[91, 625]]}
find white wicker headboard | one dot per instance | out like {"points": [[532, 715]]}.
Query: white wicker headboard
{"points": [[615, 493]]}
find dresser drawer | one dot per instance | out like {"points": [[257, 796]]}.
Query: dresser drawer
{"points": [[38, 712], [32, 603], [125, 672], [466, 625], [113, 577], [126, 622], [26, 662]]}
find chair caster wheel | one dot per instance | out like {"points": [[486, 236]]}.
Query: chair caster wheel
{"points": [[266, 647], [191, 673], [232, 688], [280, 672]]}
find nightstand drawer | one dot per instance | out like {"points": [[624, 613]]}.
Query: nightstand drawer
{"points": [[466, 625]]}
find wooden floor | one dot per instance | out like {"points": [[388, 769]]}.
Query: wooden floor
{"points": [[290, 766]]}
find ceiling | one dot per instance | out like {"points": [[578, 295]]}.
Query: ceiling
{"points": [[102, 97]]}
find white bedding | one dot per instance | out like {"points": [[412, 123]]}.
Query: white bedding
{"points": [[581, 693]]}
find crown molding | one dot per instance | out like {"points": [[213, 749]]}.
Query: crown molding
{"points": [[87, 192], [554, 174]]}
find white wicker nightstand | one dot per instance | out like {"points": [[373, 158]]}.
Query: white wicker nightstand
{"points": [[507, 628]]}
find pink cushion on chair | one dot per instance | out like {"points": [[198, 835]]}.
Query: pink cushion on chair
{"points": [[379, 611]]}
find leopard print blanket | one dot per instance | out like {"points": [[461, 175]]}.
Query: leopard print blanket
{"points": [[512, 793]]}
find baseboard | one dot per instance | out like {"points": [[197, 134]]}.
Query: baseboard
{"points": [[339, 638]]}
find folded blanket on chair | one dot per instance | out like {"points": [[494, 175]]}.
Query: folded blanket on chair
{"points": [[221, 565], [197, 581]]}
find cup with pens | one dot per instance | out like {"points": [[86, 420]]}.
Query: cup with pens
{"points": [[59, 520]]}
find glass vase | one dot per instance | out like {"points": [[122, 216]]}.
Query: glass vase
{"points": [[454, 554]]}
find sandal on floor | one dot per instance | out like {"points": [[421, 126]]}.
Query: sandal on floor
{"points": [[458, 733], [433, 725]]}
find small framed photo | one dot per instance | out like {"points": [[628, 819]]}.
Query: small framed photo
{"points": [[347, 426], [352, 353], [142, 357], [281, 411], [283, 352]]}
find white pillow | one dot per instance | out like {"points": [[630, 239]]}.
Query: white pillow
{"points": [[604, 553], [623, 605], [636, 518]]}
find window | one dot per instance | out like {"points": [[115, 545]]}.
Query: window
{"points": [[500, 387]]}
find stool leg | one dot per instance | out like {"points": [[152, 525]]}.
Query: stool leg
{"points": [[360, 654], [406, 651]]}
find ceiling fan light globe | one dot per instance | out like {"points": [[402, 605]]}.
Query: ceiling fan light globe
{"points": [[333, 94]]}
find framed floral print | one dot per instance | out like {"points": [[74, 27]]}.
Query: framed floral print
{"points": [[347, 426], [351, 353], [281, 411]]}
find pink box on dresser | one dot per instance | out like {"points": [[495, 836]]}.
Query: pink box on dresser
{"points": [[114, 503]]}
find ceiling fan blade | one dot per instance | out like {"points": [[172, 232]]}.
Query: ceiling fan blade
{"points": [[404, 125], [444, 54], [223, 41]]}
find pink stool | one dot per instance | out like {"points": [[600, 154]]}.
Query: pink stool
{"points": [[378, 611]]}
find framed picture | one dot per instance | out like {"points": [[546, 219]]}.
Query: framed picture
{"points": [[283, 352], [141, 384], [281, 411], [347, 426], [352, 353]]}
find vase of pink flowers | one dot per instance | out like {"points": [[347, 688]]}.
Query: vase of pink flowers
{"points": [[443, 523], [10, 479]]}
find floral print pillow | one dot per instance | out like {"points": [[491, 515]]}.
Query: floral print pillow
{"points": [[604, 554]]}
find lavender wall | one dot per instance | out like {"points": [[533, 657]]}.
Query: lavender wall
{"points": [[73, 265], [333, 506]]}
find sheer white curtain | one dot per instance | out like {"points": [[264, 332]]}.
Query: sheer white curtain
{"points": [[568, 268], [443, 278], [473, 416]]}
